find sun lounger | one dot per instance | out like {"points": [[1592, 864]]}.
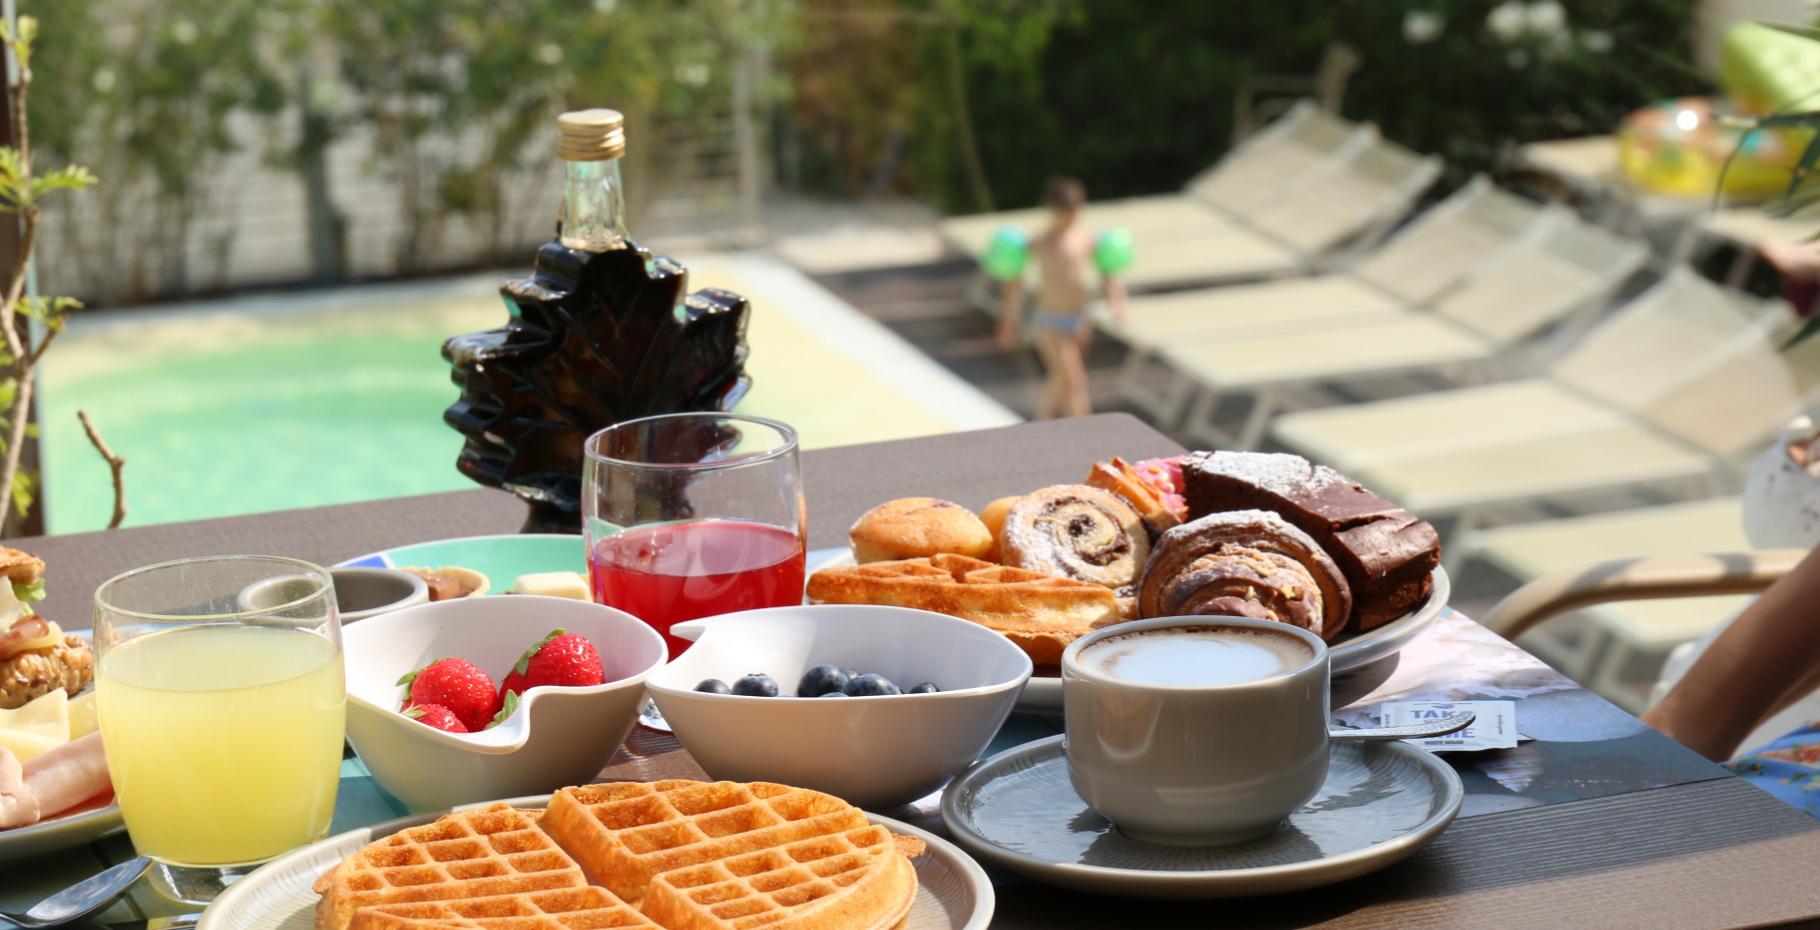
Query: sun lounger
{"points": [[1526, 289], [1305, 142], [1679, 387], [1604, 642], [1302, 143], [1430, 254], [1615, 369], [1316, 194]]}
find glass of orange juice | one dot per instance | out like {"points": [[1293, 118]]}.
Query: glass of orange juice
{"points": [[222, 706]]}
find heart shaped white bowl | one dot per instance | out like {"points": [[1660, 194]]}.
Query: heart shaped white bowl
{"points": [[558, 736], [876, 752]]}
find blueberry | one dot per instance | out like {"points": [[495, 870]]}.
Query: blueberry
{"points": [[927, 687], [833, 694], [713, 686], [871, 685], [850, 672], [756, 685], [821, 680]]}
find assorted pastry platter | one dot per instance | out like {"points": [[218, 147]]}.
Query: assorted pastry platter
{"points": [[1271, 536]]}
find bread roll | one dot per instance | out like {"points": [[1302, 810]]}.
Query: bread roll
{"points": [[993, 515], [916, 527]]}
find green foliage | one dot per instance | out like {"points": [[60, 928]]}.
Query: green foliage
{"points": [[1137, 98], [25, 491], [19, 191], [47, 310], [154, 96], [20, 43]]}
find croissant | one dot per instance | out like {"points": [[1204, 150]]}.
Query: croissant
{"points": [[1076, 532], [1246, 563]]}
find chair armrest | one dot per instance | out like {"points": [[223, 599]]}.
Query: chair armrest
{"points": [[1648, 578]]}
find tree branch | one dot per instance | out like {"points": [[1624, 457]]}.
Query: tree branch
{"points": [[15, 290], [15, 441], [115, 464], [34, 354], [28, 221]]}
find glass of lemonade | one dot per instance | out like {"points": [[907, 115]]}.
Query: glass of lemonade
{"points": [[222, 707]]}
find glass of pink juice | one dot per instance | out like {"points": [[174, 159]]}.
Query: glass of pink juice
{"points": [[694, 514]]}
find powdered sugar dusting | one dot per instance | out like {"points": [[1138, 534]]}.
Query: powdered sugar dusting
{"points": [[1264, 519], [1030, 532], [1277, 472]]}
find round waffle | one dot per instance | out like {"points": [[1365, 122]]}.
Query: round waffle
{"points": [[677, 855]]}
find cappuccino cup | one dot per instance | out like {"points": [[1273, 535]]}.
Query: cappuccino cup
{"points": [[1196, 731]]}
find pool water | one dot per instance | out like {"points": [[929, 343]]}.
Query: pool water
{"points": [[287, 401]]}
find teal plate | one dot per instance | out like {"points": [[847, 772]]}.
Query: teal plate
{"points": [[501, 558]]}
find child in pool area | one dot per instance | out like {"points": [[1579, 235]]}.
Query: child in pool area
{"points": [[1064, 261]]}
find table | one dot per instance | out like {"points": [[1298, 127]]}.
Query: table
{"points": [[1615, 826]]}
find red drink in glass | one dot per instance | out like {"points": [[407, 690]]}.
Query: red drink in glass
{"points": [[666, 573]]}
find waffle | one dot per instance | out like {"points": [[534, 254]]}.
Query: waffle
{"points": [[1040, 612], [583, 908], [675, 855], [479, 853]]}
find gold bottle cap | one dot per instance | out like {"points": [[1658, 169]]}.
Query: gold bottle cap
{"points": [[591, 135]]}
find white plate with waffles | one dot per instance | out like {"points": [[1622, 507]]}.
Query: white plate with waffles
{"points": [[952, 893]]}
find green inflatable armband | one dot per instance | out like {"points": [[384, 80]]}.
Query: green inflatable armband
{"points": [[1115, 251], [1006, 254]]}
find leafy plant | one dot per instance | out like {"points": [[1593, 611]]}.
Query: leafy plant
{"points": [[22, 194], [1801, 195]]}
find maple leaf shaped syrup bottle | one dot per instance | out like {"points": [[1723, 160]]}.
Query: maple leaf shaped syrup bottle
{"points": [[599, 333]]}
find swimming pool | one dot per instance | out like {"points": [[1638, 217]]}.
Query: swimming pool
{"points": [[297, 400]]}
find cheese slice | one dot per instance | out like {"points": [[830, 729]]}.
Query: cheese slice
{"points": [[38, 727], [46, 641], [553, 584], [82, 715]]}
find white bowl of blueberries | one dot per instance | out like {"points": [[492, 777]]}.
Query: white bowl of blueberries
{"points": [[877, 705]]}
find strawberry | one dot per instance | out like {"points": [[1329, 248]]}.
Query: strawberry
{"points": [[435, 715], [457, 684], [562, 658]]}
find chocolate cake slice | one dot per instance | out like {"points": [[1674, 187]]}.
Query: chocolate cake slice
{"points": [[1384, 551]]}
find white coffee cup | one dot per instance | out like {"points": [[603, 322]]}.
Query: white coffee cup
{"points": [[1183, 759]]}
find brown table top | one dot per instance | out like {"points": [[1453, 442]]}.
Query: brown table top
{"points": [[1692, 847]]}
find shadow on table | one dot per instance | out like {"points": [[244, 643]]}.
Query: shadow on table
{"points": [[1563, 841]]}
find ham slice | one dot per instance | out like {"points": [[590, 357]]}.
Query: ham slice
{"points": [[18, 803], [25, 631], [68, 775]]}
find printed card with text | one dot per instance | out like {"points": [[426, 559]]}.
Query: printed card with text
{"points": [[1494, 728]]}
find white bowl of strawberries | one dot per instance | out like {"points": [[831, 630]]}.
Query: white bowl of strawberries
{"points": [[476, 698]]}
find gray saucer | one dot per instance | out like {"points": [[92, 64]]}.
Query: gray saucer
{"points": [[1381, 802]]}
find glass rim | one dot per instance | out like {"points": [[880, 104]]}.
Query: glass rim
{"points": [[304, 567], [590, 446]]}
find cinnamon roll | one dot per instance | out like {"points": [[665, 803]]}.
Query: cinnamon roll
{"points": [[1245, 563], [1076, 532]]}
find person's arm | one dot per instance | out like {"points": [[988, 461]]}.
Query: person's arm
{"points": [[1010, 312], [1768, 658], [1115, 296]]}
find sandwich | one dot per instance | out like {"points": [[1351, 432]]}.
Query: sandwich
{"points": [[36, 656]]}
